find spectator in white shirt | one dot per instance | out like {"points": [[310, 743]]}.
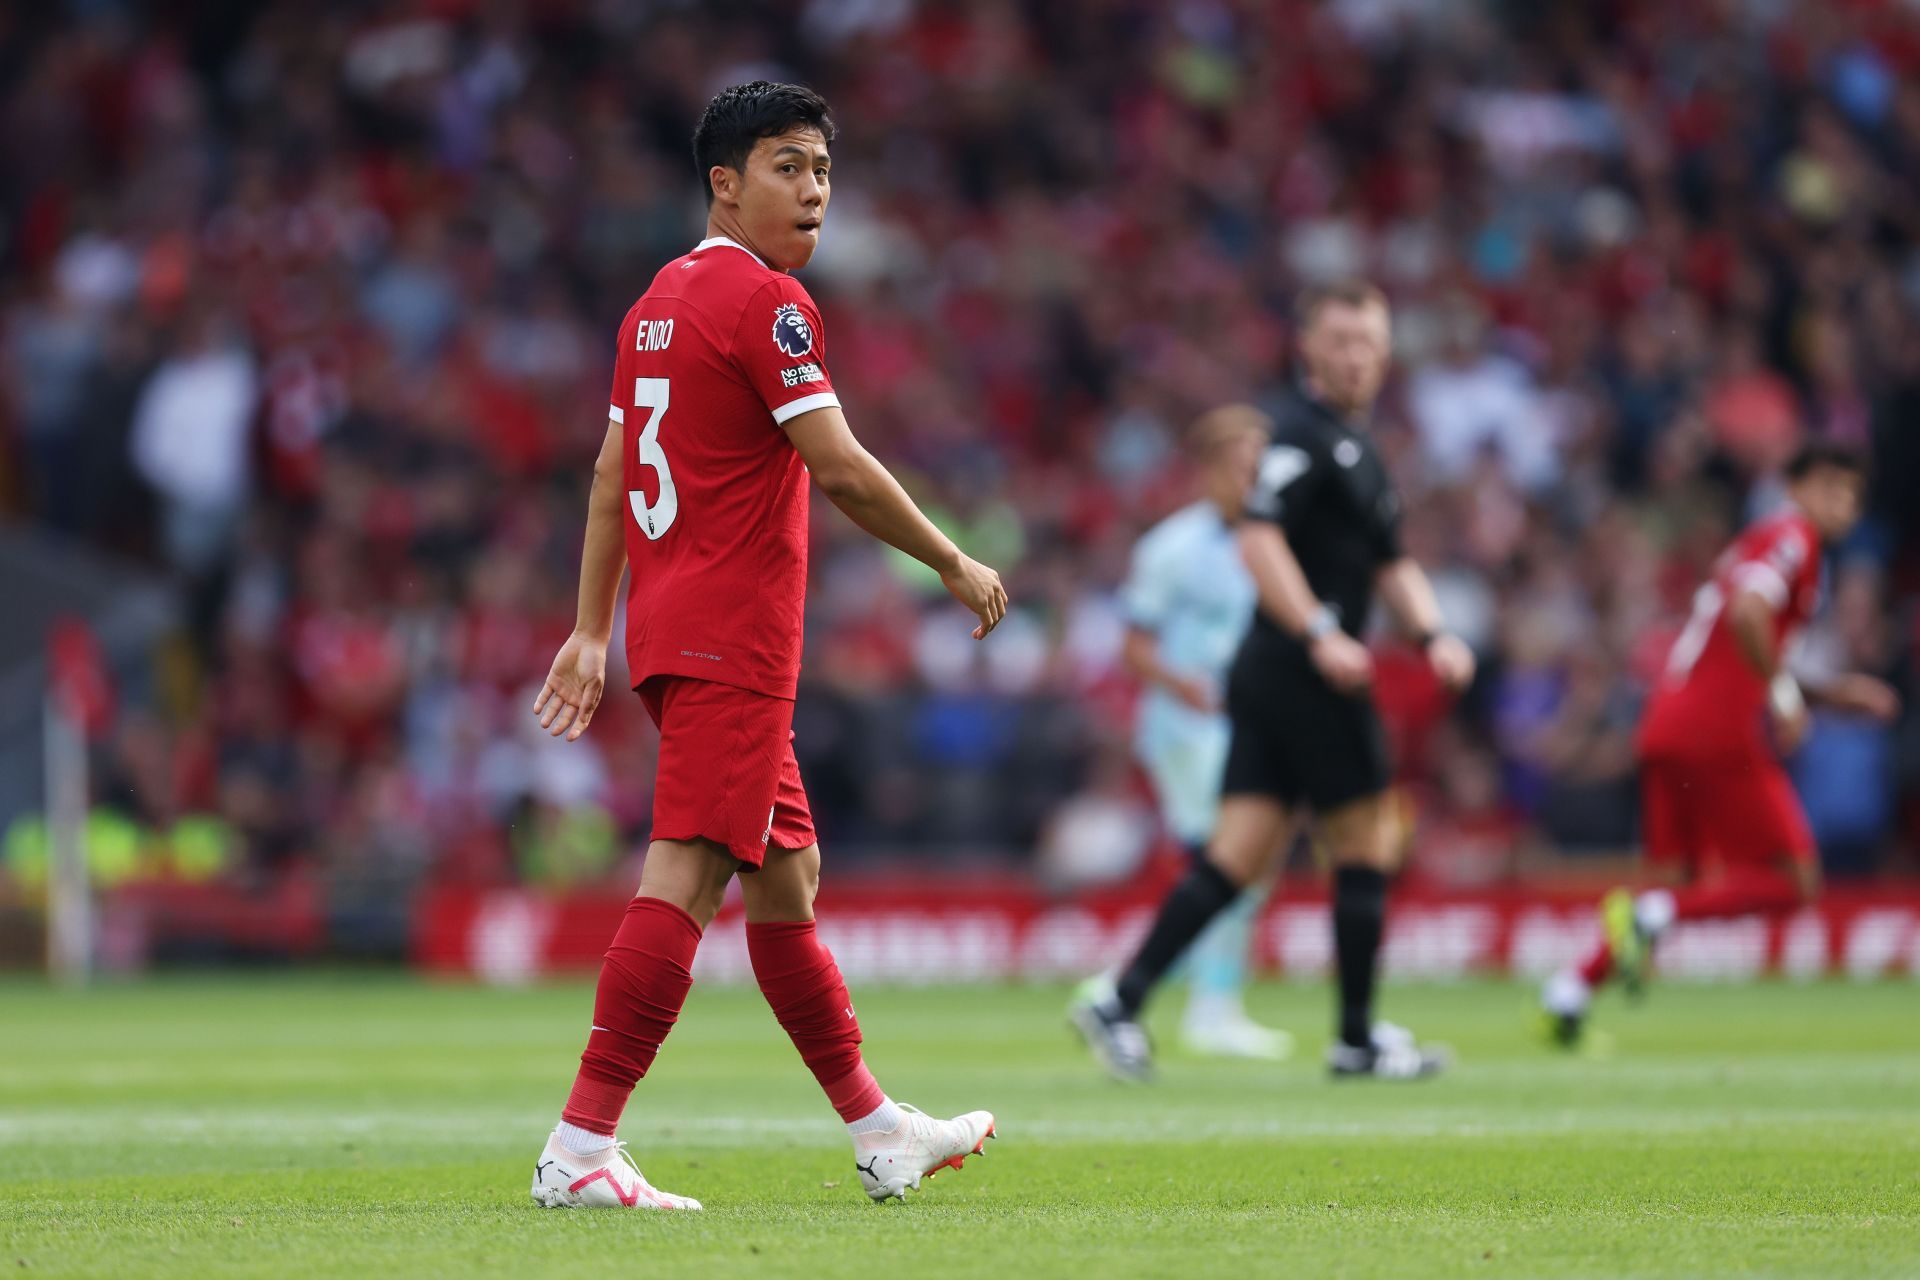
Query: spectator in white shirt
{"points": [[1473, 400], [191, 441]]}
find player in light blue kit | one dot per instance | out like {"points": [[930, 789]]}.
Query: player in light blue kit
{"points": [[1188, 600]]}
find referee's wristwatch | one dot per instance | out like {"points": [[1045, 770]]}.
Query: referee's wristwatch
{"points": [[1324, 622]]}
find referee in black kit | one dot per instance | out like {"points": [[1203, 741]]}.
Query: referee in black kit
{"points": [[1321, 534]]}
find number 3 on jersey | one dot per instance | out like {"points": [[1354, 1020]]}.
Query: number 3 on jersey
{"points": [[651, 394]]}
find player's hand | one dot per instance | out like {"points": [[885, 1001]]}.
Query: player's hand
{"points": [[1868, 695], [1344, 661], [1194, 692], [1790, 725], [572, 692], [1451, 660], [977, 587]]}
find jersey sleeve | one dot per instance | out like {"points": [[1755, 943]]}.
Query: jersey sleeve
{"points": [[1290, 471], [1152, 580], [621, 374], [1775, 567], [1385, 526], [780, 346]]}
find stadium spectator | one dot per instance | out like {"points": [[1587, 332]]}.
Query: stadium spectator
{"points": [[306, 306]]}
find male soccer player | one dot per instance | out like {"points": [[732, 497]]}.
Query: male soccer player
{"points": [[1189, 599], [721, 407], [1321, 533], [1722, 828]]}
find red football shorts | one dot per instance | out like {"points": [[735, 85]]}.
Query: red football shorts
{"points": [[727, 772], [1739, 812]]}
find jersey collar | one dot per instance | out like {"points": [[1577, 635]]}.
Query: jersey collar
{"points": [[711, 241]]}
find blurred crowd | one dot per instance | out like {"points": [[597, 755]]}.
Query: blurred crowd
{"points": [[310, 306]]}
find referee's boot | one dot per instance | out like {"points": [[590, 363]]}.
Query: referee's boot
{"points": [[1392, 1055], [1118, 1043]]}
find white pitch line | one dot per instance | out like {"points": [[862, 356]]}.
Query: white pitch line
{"points": [[282, 1131]]}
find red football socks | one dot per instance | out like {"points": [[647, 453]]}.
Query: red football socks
{"points": [[1735, 892], [803, 984], [643, 982], [1598, 966]]}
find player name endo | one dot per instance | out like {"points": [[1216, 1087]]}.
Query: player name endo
{"points": [[652, 335]]}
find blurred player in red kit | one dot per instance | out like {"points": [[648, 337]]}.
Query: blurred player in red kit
{"points": [[721, 407], [1723, 831]]}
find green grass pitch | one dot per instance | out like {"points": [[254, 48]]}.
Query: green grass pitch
{"points": [[378, 1128]]}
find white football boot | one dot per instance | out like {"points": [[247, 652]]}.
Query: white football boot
{"points": [[890, 1163], [1218, 1027], [605, 1180]]}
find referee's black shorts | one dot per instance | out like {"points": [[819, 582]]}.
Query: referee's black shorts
{"points": [[1295, 737]]}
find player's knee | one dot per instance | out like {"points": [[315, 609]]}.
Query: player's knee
{"points": [[701, 903], [1247, 840], [1230, 861], [1362, 853], [1360, 841], [690, 874], [777, 901], [785, 886], [804, 885]]}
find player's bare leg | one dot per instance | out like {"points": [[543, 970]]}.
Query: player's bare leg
{"points": [[1248, 840], [895, 1145], [643, 984], [1362, 839]]}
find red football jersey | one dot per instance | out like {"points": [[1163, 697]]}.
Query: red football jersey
{"points": [[719, 351], [1710, 700]]}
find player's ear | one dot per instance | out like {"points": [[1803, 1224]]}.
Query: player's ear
{"points": [[725, 183]]}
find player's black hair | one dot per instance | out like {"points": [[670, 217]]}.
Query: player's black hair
{"points": [[741, 116], [1351, 293], [1815, 454]]}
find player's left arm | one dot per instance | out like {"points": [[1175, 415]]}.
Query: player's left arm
{"points": [[578, 677], [1140, 652], [1848, 691], [868, 494], [1408, 594]]}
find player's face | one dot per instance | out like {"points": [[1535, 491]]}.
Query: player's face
{"points": [[1233, 465], [783, 196], [1831, 498], [1345, 349]]}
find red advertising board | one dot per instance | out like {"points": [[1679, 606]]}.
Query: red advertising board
{"points": [[921, 932]]}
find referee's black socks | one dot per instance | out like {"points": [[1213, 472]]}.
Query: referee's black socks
{"points": [[1200, 896], [1359, 918]]}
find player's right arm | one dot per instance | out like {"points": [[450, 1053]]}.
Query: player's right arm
{"points": [[1759, 587], [1286, 477], [1289, 601], [1148, 598], [1750, 619], [855, 482], [1141, 653], [578, 677]]}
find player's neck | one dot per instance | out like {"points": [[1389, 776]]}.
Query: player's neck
{"points": [[1346, 415], [720, 227]]}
